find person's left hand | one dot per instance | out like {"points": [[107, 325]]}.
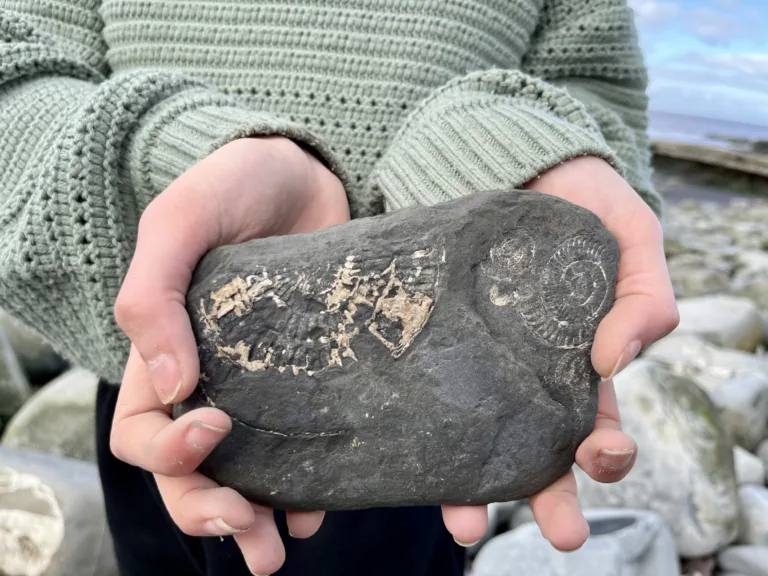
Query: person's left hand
{"points": [[644, 311]]}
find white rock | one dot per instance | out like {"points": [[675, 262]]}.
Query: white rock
{"points": [[622, 542], [52, 520], [684, 469], [14, 388], [59, 418], [754, 515], [736, 381], [725, 321], [709, 365], [747, 560], [749, 468]]}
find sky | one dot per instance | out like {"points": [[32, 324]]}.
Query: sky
{"points": [[706, 57]]}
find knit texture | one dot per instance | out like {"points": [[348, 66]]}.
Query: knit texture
{"points": [[103, 103]]}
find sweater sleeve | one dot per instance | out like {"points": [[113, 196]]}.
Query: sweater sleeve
{"points": [[81, 156], [579, 90]]}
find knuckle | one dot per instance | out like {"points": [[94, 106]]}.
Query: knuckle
{"points": [[130, 309], [671, 319], [117, 444], [179, 516], [650, 222]]}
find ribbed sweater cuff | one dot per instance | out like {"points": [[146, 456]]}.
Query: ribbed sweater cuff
{"points": [[186, 128], [474, 137]]}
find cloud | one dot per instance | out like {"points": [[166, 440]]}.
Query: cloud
{"points": [[653, 12], [728, 86], [754, 64], [712, 26], [719, 27]]}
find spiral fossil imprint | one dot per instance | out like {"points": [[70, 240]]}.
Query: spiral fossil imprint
{"points": [[576, 263]]}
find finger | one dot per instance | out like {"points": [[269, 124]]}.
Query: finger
{"points": [[174, 233], [199, 507], [304, 524], [467, 524], [558, 514], [607, 454], [644, 309], [261, 545], [144, 435]]}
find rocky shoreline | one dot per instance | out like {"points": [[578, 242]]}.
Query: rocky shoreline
{"points": [[696, 402]]}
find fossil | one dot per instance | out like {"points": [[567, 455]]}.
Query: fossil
{"points": [[433, 355]]}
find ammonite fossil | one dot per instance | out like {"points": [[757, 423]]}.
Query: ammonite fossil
{"points": [[433, 355]]}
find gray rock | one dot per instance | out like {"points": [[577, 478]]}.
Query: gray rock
{"points": [[764, 323], [417, 357], [522, 515], [747, 560], [751, 277], [59, 418], [743, 404], [754, 515], [725, 321], [737, 382], [14, 388], [749, 468], [762, 453], [684, 469], [699, 274], [39, 360], [621, 543], [52, 520]]}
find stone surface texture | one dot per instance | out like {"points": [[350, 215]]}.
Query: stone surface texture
{"points": [[52, 520], [684, 469], [59, 418], [621, 543], [430, 355]]}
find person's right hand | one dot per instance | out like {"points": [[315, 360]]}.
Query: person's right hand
{"points": [[249, 188]]}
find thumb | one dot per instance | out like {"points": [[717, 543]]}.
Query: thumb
{"points": [[644, 309], [174, 233]]}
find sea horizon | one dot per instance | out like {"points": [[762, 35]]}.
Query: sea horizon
{"points": [[691, 129]]}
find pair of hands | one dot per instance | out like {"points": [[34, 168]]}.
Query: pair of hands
{"points": [[259, 187]]}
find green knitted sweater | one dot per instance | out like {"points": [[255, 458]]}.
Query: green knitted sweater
{"points": [[104, 102]]}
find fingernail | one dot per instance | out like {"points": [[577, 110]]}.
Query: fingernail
{"points": [[465, 544], [165, 374], [615, 459], [629, 354], [217, 527], [202, 436]]}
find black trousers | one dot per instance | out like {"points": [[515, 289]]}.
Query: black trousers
{"points": [[381, 541]]}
